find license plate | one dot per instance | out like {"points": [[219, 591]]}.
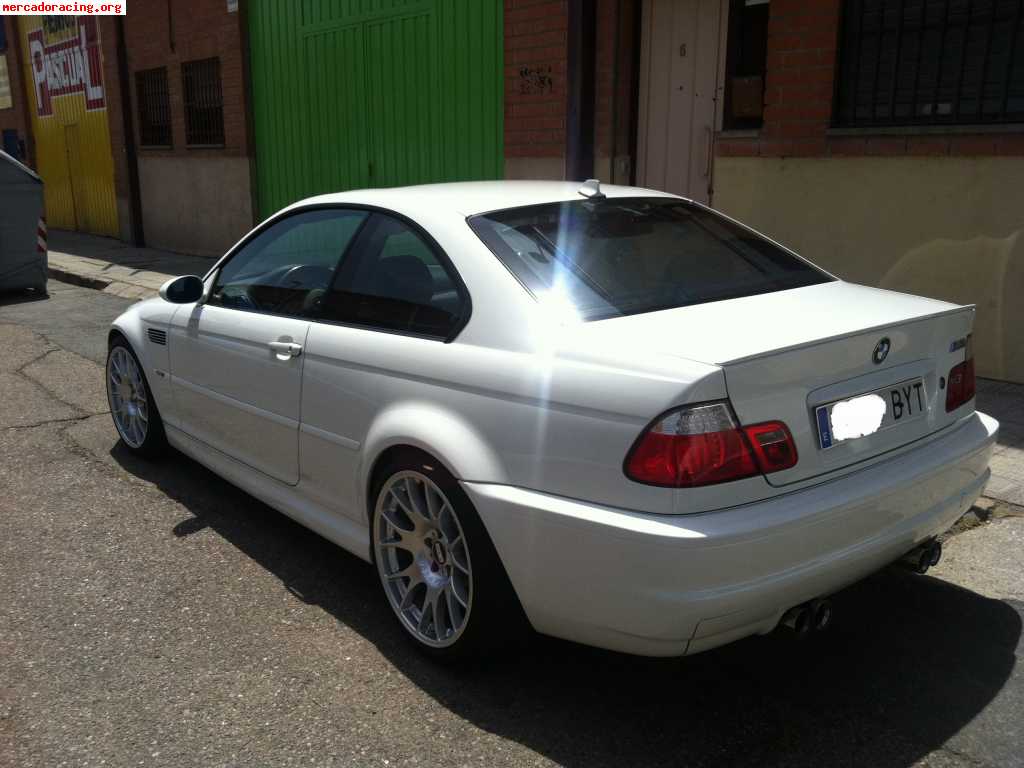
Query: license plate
{"points": [[870, 412]]}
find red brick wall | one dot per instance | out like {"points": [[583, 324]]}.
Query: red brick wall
{"points": [[200, 29], [799, 87], [17, 117], [801, 59], [535, 62]]}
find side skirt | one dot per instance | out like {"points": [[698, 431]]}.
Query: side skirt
{"points": [[343, 531]]}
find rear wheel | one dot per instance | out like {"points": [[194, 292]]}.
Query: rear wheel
{"points": [[437, 565], [131, 402]]}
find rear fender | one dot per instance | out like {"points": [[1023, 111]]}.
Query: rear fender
{"points": [[441, 433]]}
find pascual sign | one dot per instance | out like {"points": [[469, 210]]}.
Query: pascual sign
{"points": [[65, 59]]}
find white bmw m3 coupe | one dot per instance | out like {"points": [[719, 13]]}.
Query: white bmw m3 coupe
{"points": [[608, 413]]}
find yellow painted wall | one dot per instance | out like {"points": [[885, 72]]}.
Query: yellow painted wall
{"points": [[63, 61], [6, 98], [945, 227]]}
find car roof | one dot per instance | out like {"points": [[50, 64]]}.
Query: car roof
{"points": [[471, 197]]}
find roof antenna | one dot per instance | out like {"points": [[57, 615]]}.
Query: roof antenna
{"points": [[592, 188]]}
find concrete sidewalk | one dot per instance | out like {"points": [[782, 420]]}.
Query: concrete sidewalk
{"points": [[1005, 401], [114, 267]]}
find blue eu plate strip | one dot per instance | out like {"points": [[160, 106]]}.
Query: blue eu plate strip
{"points": [[824, 428]]}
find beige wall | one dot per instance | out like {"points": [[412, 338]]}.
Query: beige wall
{"points": [[535, 168], [945, 227], [198, 205]]}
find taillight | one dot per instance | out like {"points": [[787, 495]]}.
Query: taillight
{"points": [[773, 446], [960, 382], [703, 445]]}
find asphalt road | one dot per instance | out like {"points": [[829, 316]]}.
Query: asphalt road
{"points": [[151, 614]]}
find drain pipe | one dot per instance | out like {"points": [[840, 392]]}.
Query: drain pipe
{"points": [[579, 118], [131, 156]]}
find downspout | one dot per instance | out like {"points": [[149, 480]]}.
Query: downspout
{"points": [[634, 117], [579, 122], [131, 156], [724, 17], [614, 120], [14, 45], [250, 128]]}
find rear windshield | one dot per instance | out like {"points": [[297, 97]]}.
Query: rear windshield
{"points": [[624, 256]]}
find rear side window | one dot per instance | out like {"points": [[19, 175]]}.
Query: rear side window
{"points": [[394, 280], [625, 256]]}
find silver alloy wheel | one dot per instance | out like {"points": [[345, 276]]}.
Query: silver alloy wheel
{"points": [[423, 559], [126, 393]]}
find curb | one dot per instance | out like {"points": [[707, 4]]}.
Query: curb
{"points": [[76, 279], [113, 287]]}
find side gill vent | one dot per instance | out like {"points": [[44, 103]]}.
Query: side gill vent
{"points": [[157, 336]]}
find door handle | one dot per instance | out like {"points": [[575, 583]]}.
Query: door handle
{"points": [[285, 349]]}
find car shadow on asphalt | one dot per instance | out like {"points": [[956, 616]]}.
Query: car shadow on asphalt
{"points": [[909, 662]]}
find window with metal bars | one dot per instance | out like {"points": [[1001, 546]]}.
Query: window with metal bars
{"points": [[931, 62], [154, 103], [745, 64], [204, 104]]}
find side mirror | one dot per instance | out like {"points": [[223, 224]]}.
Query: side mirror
{"points": [[182, 290]]}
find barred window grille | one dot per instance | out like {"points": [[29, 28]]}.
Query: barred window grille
{"points": [[154, 104], [204, 104], [931, 62]]}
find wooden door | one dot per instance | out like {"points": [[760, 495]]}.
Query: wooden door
{"points": [[679, 72]]}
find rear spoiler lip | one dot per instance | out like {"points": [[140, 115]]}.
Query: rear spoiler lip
{"points": [[850, 334]]}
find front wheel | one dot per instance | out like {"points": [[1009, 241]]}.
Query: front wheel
{"points": [[131, 402], [437, 565]]}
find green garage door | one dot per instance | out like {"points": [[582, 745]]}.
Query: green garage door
{"points": [[373, 93]]}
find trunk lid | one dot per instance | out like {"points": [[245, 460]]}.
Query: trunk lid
{"points": [[786, 353]]}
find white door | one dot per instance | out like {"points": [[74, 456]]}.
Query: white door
{"points": [[236, 393], [396, 301], [679, 72], [236, 360]]}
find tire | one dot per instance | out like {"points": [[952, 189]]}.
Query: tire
{"points": [[132, 407], [445, 554]]}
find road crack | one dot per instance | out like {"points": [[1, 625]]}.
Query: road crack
{"points": [[20, 370], [47, 422], [53, 347]]}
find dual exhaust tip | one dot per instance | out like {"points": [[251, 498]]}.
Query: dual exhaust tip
{"points": [[923, 557], [815, 616]]}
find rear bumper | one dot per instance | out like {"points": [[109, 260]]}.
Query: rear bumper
{"points": [[662, 585]]}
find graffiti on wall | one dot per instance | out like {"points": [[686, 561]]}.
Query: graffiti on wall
{"points": [[63, 72], [64, 55], [535, 80]]}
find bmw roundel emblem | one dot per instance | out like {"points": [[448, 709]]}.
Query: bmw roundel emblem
{"points": [[881, 350]]}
